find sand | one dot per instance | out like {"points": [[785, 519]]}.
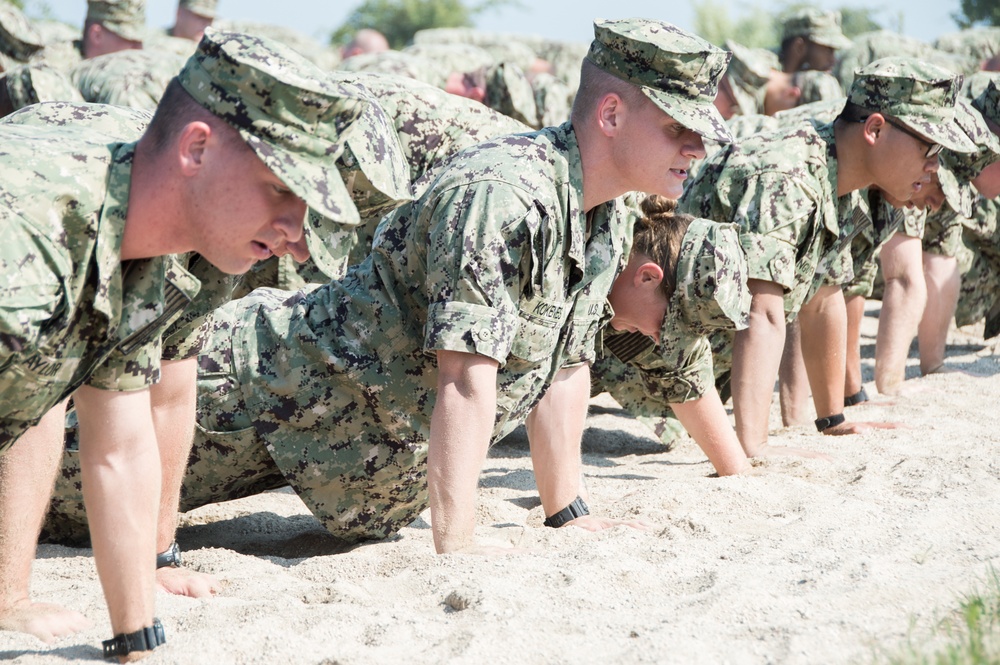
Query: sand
{"points": [[806, 561]]}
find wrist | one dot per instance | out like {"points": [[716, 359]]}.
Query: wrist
{"points": [[144, 639], [576, 508], [171, 557], [823, 424]]}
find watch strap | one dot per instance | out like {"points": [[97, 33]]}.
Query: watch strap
{"points": [[829, 421], [144, 639], [171, 557], [856, 398], [575, 509]]}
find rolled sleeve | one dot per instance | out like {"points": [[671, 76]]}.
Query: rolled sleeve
{"points": [[469, 328]]}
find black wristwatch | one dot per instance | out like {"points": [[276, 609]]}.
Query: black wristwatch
{"points": [[828, 422], [172, 557], [856, 398], [576, 509], [144, 639]]}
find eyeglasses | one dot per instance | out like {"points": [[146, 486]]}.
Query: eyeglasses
{"points": [[933, 149]]}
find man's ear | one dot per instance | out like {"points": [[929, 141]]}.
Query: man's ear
{"points": [[610, 114], [873, 128], [648, 275], [796, 49], [192, 146]]}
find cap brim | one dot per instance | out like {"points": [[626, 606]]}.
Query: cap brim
{"points": [[702, 118], [949, 134], [379, 154], [836, 42], [746, 101], [958, 197]]}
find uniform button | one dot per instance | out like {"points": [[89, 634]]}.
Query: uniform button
{"points": [[485, 334]]}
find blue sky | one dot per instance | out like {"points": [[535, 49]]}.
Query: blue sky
{"points": [[558, 19]]}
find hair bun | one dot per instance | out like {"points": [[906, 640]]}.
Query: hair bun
{"points": [[655, 205]]}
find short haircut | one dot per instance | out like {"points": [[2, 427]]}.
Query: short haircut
{"points": [[658, 234], [595, 83], [174, 112]]}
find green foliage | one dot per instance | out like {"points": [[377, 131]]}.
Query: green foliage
{"points": [[399, 20], [970, 634], [760, 25], [977, 12]]}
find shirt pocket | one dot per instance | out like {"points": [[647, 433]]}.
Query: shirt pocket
{"points": [[588, 319], [30, 386], [540, 320]]}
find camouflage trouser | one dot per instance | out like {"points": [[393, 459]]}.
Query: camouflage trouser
{"points": [[980, 286], [223, 465], [945, 238]]}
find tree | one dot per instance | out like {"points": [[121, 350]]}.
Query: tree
{"points": [[981, 12], [399, 20]]}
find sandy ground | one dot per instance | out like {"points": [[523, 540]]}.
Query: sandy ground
{"points": [[807, 561]]}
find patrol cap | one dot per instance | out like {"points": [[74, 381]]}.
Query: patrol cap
{"points": [[509, 92], [31, 84], [984, 91], [293, 116], [712, 292], [918, 94], [18, 39], [965, 167], [748, 74], [125, 18], [817, 26], [204, 8], [678, 71]]}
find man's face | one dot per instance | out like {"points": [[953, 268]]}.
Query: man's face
{"points": [[246, 213], [818, 57], [901, 167], [189, 25], [930, 196], [654, 152]]}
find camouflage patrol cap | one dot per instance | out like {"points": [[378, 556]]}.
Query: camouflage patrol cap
{"points": [[125, 18], [818, 26], [712, 292], [509, 92], [679, 71], [18, 39], [918, 94], [958, 170], [293, 116], [984, 91], [31, 84], [748, 74], [205, 8]]}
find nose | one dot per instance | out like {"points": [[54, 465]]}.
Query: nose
{"points": [[290, 227], [694, 146], [932, 164]]}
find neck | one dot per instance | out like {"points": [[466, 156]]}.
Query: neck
{"points": [[153, 223], [852, 170], [600, 179]]}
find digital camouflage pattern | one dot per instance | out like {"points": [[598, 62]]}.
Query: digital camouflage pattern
{"points": [[125, 18], [31, 84], [645, 378], [553, 99], [872, 46], [134, 78], [205, 8], [679, 71], [430, 125], [817, 86], [70, 311], [781, 189], [455, 57], [293, 116], [18, 38], [396, 63], [979, 265], [322, 56], [748, 73], [816, 25], [509, 92], [918, 94], [976, 44]]}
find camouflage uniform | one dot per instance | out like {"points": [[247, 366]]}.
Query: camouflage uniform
{"points": [[872, 46], [817, 86], [125, 18], [782, 188], [397, 63], [497, 258], [204, 8], [976, 44], [135, 78], [18, 38], [816, 25], [70, 312], [25, 85]]}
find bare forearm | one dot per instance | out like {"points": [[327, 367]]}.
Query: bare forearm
{"points": [[902, 305], [173, 401], [706, 421], [555, 428], [121, 481], [855, 315], [823, 322], [461, 427]]}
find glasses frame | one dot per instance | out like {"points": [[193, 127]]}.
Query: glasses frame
{"points": [[933, 149]]}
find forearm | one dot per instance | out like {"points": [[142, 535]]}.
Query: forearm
{"points": [[823, 322], [855, 306], [756, 357], [793, 384], [555, 428], [173, 401], [121, 487], [902, 305], [943, 286], [706, 421], [461, 427]]}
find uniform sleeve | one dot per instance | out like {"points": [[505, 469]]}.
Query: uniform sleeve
{"points": [[126, 372], [479, 260], [776, 216]]}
